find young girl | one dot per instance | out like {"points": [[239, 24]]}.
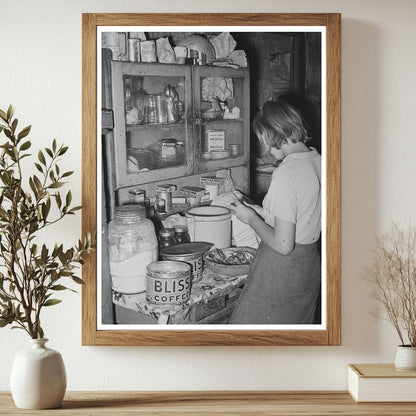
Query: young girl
{"points": [[284, 282]]}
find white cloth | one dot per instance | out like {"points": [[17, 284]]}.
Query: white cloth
{"points": [[294, 195]]}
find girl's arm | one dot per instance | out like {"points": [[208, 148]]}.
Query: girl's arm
{"points": [[281, 238]]}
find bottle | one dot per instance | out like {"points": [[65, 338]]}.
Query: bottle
{"points": [[138, 104], [181, 234], [132, 247], [171, 103], [150, 114]]}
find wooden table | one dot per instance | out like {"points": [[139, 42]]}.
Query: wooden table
{"points": [[318, 403]]}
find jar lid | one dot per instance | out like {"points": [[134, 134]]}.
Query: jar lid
{"points": [[168, 141], [166, 232], [187, 249], [169, 269], [178, 228], [130, 211]]}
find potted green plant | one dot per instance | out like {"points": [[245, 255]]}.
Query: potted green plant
{"points": [[393, 277], [31, 273]]}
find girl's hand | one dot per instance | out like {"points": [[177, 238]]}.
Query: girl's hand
{"points": [[242, 212], [257, 208], [248, 202]]}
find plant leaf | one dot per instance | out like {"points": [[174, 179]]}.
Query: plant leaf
{"points": [[59, 287], [41, 157], [78, 280], [51, 302], [58, 199], [63, 150], [14, 125], [56, 185], [68, 199], [69, 173], [37, 182], [40, 331], [5, 321], [10, 112], [39, 167], [24, 132], [25, 145]]}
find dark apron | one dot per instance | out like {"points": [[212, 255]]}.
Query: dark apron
{"points": [[281, 289]]}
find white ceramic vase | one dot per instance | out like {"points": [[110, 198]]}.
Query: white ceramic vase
{"points": [[38, 377], [405, 358]]}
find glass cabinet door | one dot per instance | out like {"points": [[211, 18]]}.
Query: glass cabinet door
{"points": [[221, 111], [152, 129]]}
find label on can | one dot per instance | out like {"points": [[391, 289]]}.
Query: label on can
{"points": [[215, 140], [196, 269], [168, 282], [195, 263]]}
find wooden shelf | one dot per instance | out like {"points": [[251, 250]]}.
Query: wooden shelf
{"points": [[151, 126], [221, 403], [221, 120]]}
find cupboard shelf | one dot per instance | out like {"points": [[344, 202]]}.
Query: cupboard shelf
{"points": [[223, 121], [153, 126]]}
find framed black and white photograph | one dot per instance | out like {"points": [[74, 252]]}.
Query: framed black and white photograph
{"points": [[211, 172]]}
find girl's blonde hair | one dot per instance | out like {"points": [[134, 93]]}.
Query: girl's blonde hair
{"points": [[277, 122]]}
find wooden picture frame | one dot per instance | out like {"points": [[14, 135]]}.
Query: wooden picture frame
{"points": [[330, 334]]}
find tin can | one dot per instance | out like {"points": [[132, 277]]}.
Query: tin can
{"points": [[148, 51], [190, 253], [168, 282]]}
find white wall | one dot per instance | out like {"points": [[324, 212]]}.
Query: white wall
{"points": [[40, 74]]}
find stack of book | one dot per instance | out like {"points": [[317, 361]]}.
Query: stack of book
{"points": [[381, 383]]}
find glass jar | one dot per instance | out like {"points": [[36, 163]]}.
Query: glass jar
{"points": [[132, 246], [166, 237], [181, 234], [134, 102], [168, 148]]}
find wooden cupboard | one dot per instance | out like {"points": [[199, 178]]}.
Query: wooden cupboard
{"points": [[133, 154]]}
